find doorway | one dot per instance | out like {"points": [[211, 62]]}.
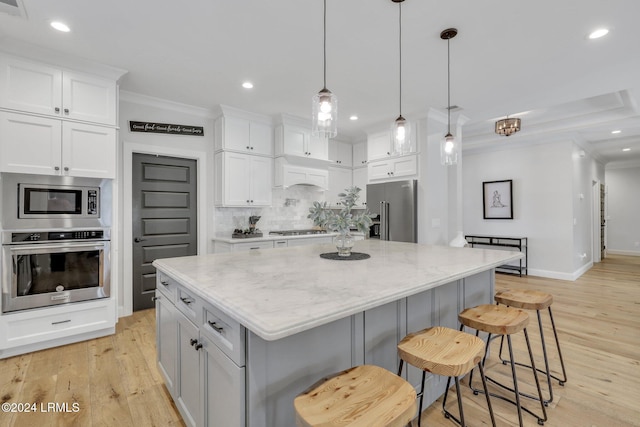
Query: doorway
{"points": [[164, 217]]}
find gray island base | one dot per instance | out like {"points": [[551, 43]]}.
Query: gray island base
{"points": [[241, 334]]}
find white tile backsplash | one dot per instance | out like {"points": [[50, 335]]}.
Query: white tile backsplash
{"points": [[289, 210]]}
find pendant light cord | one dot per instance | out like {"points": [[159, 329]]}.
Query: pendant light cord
{"points": [[325, 44], [400, 51], [448, 86]]}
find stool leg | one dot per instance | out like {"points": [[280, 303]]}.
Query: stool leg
{"points": [[515, 380], [424, 374], [486, 393], [555, 334], [546, 360], [448, 414], [535, 375]]}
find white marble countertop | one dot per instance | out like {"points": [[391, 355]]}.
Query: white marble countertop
{"points": [[279, 292]]}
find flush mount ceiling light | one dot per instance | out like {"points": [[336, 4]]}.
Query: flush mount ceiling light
{"points": [[60, 26], [354, 117], [448, 146], [601, 32], [325, 104], [626, 149], [401, 128], [507, 126], [247, 85], [616, 132]]}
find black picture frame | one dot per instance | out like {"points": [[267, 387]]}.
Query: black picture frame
{"points": [[497, 199]]}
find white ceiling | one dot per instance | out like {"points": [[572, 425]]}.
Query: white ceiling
{"points": [[508, 58]]}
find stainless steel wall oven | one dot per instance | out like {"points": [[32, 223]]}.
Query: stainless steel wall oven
{"points": [[56, 267]]}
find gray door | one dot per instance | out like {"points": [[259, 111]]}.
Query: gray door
{"points": [[164, 218]]}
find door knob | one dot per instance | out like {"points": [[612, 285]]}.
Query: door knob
{"points": [[138, 240]]}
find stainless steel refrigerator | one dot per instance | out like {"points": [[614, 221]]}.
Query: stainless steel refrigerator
{"points": [[394, 206]]}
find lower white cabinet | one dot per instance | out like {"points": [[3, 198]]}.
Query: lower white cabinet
{"points": [[360, 180], [207, 386]]}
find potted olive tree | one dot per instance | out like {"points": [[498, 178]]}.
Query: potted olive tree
{"points": [[341, 221]]}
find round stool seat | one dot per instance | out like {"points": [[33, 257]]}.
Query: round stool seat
{"points": [[494, 319], [363, 396], [527, 299], [442, 351]]}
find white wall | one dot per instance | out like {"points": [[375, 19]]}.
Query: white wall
{"points": [[140, 108], [623, 223], [543, 191]]}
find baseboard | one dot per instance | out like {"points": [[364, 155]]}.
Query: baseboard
{"points": [[617, 252], [551, 274]]}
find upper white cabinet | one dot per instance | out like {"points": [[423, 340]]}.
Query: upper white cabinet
{"points": [[360, 180], [39, 145], [240, 131], [379, 145], [293, 138], [395, 167], [340, 153], [360, 154], [242, 179], [339, 180], [36, 88]]}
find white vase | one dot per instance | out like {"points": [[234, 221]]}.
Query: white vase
{"points": [[344, 243], [458, 241]]}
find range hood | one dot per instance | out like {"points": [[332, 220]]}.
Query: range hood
{"points": [[287, 175]]}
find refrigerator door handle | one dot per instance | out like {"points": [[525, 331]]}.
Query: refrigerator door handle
{"points": [[384, 221]]}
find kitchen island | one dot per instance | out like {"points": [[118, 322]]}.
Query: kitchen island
{"points": [[241, 334]]}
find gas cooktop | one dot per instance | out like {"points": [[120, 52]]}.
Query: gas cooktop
{"points": [[296, 232]]}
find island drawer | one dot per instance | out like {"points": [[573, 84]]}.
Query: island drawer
{"points": [[166, 286], [189, 305], [225, 332]]}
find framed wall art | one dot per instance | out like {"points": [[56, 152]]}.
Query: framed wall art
{"points": [[497, 199]]}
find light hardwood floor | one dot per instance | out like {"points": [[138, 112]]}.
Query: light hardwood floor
{"points": [[114, 379]]}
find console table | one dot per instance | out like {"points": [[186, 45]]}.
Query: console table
{"points": [[519, 243]]}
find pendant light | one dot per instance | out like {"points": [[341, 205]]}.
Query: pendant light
{"points": [[448, 145], [507, 126], [325, 104], [401, 128]]}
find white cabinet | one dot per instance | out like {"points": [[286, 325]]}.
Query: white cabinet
{"points": [[243, 135], [339, 181], [40, 145], [360, 180], [378, 146], [393, 168], [304, 241], [187, 386], [41, 89], [297, 141], [167, 345], [243, 179], [340, 153], [359, 154]]}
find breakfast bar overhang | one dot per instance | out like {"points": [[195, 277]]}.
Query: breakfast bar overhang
{"points": [[281, 319]]}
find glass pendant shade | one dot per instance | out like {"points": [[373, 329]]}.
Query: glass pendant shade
{"points": [[401, 136], [325, 114], [448, 150], [507, 126]]}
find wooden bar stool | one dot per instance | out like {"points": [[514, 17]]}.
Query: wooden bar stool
{"points": [[448, 353], [363, 396], [501, 320], [528, 299]]}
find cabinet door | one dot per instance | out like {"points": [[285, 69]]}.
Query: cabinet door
{"points": [[30, 144], [224, 388], [261, 138], [360, 180], [88, 150], [318, 148], [359, 154], [295, 141], [187, 388], [89, 98], [236, 179], [339, 181], [29, 86], [261, 173], [235, 134], [167, 341], [379, 170], [404, 166], [378, 146]]}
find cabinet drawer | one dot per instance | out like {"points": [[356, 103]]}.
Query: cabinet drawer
{"points": [[166, 286], [189, 305], [28, 327], [225, 332], [248, 246]]}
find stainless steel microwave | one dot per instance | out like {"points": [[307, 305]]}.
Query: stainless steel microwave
{"points": [[58, 201]]}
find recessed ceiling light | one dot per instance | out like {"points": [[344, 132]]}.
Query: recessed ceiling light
{"points": [[60, 26], [247, 85], [354, 117], [601, 32], [615, 131], [626, 149]]}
